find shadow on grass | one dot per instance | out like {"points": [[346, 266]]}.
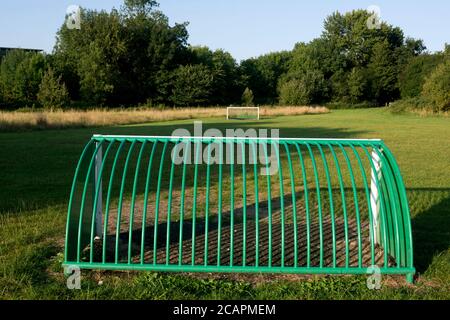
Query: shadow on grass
{"points": [[31, 183], [431, 230]]}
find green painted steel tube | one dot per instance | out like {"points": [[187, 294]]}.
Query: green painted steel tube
{"points": [[244, 206], [133, 200], [119, 208], [330, 194], [404, 201], [108, 199], [280, 176], [232, 203], [319, 202], [208, 184], [194, 205], [294, 204], [255, 175], [241, 269], [183, 191], [97, 191], [307, 213], [219, 209], [83, 199], [355, 201], [383, 213], [147, 190], [71, 197], [393, 199], [358, 218], [344, 205], [269, 202], [169, 206], [157, 204]]}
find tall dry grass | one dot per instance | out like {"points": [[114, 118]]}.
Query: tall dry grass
{"points": [[17, 121]]}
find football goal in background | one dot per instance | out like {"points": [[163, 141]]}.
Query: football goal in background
{"points": [[243, 113]]}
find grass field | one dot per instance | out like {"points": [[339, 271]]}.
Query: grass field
{"points": [[36, 169]]}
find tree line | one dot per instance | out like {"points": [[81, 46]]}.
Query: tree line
{"points": [[133, 56]]}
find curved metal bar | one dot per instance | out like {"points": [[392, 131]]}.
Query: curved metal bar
{"points": [[72, 192], [394, 205], [147, 186], [255, 174], [355, 201], [169, 206], [119, 208], [83, 198], [219, 228], [330, 194], [133, 201], [319, 202], [97, 191], [383, 213], [232, 204], [183, 191], [244, 206], [208, 177], [344, 205], [280, 176], [307, 218], [158, 197], [269, 202], [108, 198], [194, 205], [358, 218], [404, 202], [294, 204]]}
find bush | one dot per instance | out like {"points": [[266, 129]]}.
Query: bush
{"points": [[53, 93], [409, 105], [247, 97], [309, 88], [436, 88], [412, 79]]}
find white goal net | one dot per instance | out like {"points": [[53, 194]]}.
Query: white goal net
{"points": [[243, 113]]}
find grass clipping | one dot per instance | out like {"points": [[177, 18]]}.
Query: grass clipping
{"points": [[17, 121]]}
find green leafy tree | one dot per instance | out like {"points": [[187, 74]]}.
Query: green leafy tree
{"points": [[305, 89], [192, 85], [226, 86], [412, 78], [436, 88], [263, 73], [121, 56], [357, 85], [247, 97], [20, 75], [383, 74], [52, 93]]}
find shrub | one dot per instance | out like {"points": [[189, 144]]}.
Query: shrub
{"points": [[53, 93], [436, 88], [247, 97], [411, 80]]}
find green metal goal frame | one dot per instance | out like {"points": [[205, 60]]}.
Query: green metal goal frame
{"points": [[384, 195]]}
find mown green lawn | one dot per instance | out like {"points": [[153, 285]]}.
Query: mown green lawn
{"points": [[36, 169]]}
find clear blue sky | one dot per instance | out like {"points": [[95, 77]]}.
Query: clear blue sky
{"points": [[246, 28]]}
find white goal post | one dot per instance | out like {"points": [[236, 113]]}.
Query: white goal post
{"points": [[254, 109]]}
